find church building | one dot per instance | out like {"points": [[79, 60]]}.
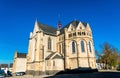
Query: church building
{"points": [[54, 49]]}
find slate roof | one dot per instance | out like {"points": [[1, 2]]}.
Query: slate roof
{"points": [[21, 55], [47, 29], [57, 56], [51, 55], [74, 23], [52, 30]]}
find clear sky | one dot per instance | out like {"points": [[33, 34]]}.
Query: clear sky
{"points": [[17, 18]]}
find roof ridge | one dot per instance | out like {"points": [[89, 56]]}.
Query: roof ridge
{"points": [[46, 25]]}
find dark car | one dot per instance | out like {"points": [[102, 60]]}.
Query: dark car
{"points": [[2, 74], [20, 73]]}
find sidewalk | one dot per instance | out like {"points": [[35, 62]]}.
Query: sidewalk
{"points": [[29, 76], [108, 71]]}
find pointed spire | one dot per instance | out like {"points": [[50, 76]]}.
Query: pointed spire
{"points": [[36, 26], [59, 22], [36, 21]]}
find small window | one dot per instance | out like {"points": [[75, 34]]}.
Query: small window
{"points": [[79, 33], [82, 33], [70, 35], [74, 34]]}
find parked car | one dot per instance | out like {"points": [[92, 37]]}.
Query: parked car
{"points": [[20, 73], [118, 67], [2, 74], [8, 74]]}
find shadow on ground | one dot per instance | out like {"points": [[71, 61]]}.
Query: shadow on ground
{"points": [[85, 74]]}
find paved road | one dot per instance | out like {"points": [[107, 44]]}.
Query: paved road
{"points": [[103, 74]]}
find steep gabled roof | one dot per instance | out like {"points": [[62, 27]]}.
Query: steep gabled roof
{"points": [[54, 56], [47, 29], [84, 23], [49, 56]]}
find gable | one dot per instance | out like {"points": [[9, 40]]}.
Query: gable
{"points": [[50, 30], [36, 27], [80, 26], [75, 24], [71, 28], [88, 27]]}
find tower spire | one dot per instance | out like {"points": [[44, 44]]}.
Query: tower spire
{"points": [[59, 22], [36, 20]]}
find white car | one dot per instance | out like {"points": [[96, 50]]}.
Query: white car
{"points": [[20, 73]]}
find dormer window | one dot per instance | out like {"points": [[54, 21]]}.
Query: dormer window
{"points": [[74, 34], [83, 33]]}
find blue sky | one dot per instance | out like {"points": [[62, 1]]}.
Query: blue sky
{"points": [[17, 18]]}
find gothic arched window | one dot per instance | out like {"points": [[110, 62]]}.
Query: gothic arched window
{"points": [[49, 43], [82, 46], [90, 47], [73, 47]]}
